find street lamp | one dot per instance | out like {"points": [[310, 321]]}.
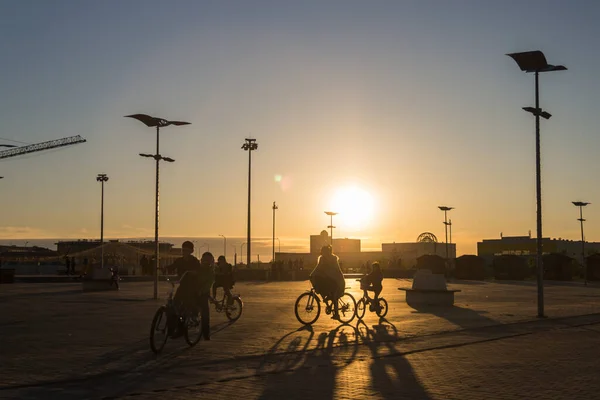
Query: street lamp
{"points": [[535, 61], [102, 178], [158, 123], [582, 204], [274, 208], [445, 209], [249, 146], [331, 214], [234, 254], [224, 246]]}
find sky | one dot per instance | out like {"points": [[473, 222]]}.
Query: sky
{"points": [[383, 109]]}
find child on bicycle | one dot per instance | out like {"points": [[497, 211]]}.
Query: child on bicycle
{"points": [[373, 281]]}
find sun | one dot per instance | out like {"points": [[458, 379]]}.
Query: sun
{"points": [[355, 207]]}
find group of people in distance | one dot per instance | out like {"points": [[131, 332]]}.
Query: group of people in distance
{"points": [[196, 279], [199, 277]]}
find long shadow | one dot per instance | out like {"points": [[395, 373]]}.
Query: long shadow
{"points": [[460, 316], [135, 358], [392, 375], [468, 282], [306, 371], [68, 292]]}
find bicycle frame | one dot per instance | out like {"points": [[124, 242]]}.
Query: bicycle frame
{"points": [[220, 305]]}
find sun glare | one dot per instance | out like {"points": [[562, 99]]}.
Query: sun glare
{"points": [[355, 207]]}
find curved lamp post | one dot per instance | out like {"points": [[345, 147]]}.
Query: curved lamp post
{"points": [[158, 123], [224, 246], [535, 61]]}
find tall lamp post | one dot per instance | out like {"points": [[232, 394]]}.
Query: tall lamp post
{"points": [[582, 204], [224, 246], [102, 178], [331, 214], [248, 146], [535, 61], [274, 208], [445, 209], [158, 123]]}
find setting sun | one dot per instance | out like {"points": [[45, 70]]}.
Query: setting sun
{"points": [[354, 205]]}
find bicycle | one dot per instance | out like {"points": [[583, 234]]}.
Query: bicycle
{"points": [[309, 302], [381, 308], [234, 310], [174, 324]]}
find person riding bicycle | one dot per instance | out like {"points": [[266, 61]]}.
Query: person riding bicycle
{"points": [[224, 279], [196, 278], [373, 282], [327, 278]]}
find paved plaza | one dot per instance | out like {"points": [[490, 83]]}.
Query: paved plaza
{"points": [[58, 342]]}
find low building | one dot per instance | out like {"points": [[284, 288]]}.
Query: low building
{"points": [[26, 255], [130, 255], [526, 246]]}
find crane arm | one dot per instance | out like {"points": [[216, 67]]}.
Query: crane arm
{"points": [[32, 148]]}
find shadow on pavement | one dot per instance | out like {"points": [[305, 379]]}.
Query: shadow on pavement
{"points": [[305, 371], [468, 282], [391, 374], [41, 293], [463, 317], [119, 371]]}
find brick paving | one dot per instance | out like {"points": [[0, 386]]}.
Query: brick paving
{"points": [[60, 343]]}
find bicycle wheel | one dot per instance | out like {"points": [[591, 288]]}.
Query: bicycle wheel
{"points": [[346, 308], [159, 330], [219, 295], [234, 311], [307, 308], [193, 330], [383, 307], [361, 308]]}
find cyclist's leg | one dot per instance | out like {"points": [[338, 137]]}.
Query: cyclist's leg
{"points": [[205, 315], [216, 284], [227, 288], [377, 291]]}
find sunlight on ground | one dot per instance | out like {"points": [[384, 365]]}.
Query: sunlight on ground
{"points": [[355, 207]]}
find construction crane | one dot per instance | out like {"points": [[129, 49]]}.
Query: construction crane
{"points": [[32, 148]]}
